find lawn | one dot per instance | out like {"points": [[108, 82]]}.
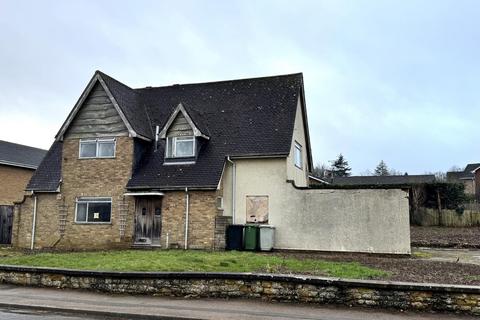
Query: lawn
{"points": [[176, 260]]}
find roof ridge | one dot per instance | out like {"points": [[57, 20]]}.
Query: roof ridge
{"points": [[103, 74], [221, 81]]}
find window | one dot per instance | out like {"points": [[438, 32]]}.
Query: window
{"points": [[180, 147], [257, 209], [220, 203], [97, 148], [298, 155], [93, 210]]}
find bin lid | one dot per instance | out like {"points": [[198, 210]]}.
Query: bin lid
{"points": [[266, 226]]}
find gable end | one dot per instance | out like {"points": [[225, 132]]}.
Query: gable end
{"points": [[97, 117], [98, 101]]}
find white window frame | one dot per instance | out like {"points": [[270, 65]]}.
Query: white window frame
{"points": [[298, 148], [97, 142], [174, 146], [219, 199], [88, 200]]}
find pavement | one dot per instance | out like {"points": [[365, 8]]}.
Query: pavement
{"points": [[29, 303], [471, 256]]}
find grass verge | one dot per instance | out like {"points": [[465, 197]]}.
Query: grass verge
{"points": [[176, 260]]}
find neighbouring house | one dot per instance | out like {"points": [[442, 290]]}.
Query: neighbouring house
{"points": [[401, 180], [173, 166], [17, 165], [469, 177]]}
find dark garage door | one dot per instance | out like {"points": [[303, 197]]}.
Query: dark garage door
{"points": [[6, 222]]}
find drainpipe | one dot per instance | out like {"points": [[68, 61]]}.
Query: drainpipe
{"points": [[234, 187], [187, 204], [157, 132], [34, 222]]}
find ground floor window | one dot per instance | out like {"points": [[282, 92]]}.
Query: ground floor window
{"points": [[257, 209], [93, 210]]}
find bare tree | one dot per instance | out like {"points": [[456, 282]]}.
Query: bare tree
{"points": [[455, 168], [320, 170]]}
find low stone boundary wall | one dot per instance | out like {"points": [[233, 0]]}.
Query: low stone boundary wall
{"points": [[285, 288]]}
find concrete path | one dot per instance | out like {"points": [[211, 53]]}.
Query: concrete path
{"points": [[448, 254], [45, 303]]}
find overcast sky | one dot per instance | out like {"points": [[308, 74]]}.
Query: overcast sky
{"points": [[392, 80]]}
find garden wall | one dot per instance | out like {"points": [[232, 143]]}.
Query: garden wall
{"points": [[356, 220], [286, 288], [350, 220]]}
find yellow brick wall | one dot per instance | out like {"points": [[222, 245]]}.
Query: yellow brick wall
{"points": [[108, 178], [202, 213], [13, 181]]}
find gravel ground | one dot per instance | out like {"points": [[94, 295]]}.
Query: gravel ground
{"points": [[410, 269], [444, 237]]}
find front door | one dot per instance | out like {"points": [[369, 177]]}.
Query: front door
{"points": [[148, 220]]}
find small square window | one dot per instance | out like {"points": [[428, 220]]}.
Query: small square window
{"points": [[298, 155], [180, 147], [106, 149], [88, 149], [257, 209]]}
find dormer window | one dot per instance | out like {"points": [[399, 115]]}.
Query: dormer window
{"points": [[180, 147], [181, 136]]}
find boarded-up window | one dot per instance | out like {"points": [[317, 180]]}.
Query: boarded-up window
{"points": [[257, 209]]}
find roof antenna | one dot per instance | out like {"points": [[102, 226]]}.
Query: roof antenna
{"points": [[157, 131]]}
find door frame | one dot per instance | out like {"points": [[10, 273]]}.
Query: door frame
{"points": [[147, 220]]}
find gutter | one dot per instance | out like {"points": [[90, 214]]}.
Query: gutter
{"points": [[187, 204], [234, 184], [34, 221], [20, 165]]}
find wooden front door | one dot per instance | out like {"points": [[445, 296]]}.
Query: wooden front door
{"points": [[6, 222], [148, 220]]}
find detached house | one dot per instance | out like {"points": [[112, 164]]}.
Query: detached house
{"points": [[157, 166], [173, 166]]}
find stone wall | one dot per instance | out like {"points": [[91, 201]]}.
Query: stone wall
{"points": [[315, 290], [13, 181]]}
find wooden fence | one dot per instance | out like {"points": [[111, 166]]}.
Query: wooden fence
{"points": [[469, 217], [6, 222]]}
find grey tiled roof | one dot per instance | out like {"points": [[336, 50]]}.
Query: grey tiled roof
{"points": [[467, 173], [48, 175], [247, 117], [383, 180], [20, 155]]}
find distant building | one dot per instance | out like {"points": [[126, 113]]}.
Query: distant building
{"points": [[470, 177]]}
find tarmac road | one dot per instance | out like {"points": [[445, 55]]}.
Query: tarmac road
{"points": [[26, 303]]}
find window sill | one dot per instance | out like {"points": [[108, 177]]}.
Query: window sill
{"points": [[90, 158], [89, 223]]}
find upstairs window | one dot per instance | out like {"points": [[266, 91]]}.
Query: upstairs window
{"points": [[298, 155], [93, 210], [180, 147], [97, 148]]}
